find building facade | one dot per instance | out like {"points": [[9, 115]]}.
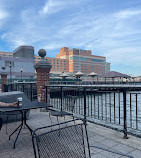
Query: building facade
{"points": [[68, 60], [19, 64], [74, 60]]}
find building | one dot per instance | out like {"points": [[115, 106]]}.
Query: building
{"points": [[57, 63], [68, 60], [74, 60], [20, 63]]}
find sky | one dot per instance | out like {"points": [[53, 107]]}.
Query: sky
{"points": [[110, 28]]}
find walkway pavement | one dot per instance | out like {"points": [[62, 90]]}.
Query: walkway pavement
{"points": [[98, 136]]}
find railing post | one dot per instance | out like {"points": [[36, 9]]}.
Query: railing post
{"points": [[84, 105], [31, 94], [23, 88], [16, 87], [46, 96], [11, 87], [125, 115], [61, 98]]}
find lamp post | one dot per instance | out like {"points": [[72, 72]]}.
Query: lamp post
{"points": [[21, 74], [10, 71]]}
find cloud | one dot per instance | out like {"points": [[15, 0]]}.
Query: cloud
{"points": [[3, 14], [53, 6], [125, 14], [71, 23]]}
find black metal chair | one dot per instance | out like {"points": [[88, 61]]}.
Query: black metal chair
{"points": [[69, 141], [66, 110], [65, 142]]}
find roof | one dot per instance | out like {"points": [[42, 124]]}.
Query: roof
{"points": [[112, 74]]}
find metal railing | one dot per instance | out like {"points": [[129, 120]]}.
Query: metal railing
{"points": [[113, 106], [29, 88], [116, 107]]}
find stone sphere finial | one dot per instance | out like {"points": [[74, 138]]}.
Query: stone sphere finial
{"points": [[42, 53]]}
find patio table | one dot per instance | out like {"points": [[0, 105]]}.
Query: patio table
{"points": [[23, 110]]}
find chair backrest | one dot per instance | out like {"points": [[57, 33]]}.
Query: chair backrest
{"points": [[65, 142], [69, 103]]}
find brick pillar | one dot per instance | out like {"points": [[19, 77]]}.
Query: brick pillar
{"points": [[3, 80], [42, 69]]}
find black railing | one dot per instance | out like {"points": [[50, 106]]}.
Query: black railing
{"points": [[114, 106], [29, 88]]}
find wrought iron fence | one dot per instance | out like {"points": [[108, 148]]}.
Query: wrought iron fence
{"points": [[114, 106], [117, 108], [29, 88]]}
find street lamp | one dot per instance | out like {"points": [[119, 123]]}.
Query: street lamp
{"points": [[21, 74], [10, 71]]}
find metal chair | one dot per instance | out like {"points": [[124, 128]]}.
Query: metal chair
{"points": [[65, 142], [69, 141], [66, 110]]}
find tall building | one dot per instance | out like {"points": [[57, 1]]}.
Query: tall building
{"points": [[74, 60], [84, 61], [68, 60]]}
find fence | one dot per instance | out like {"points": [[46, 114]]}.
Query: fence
{"points": [[114, 106], [29, 88]]}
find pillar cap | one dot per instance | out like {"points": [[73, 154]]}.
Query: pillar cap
{"points": [[42, 63], [4, 73]]}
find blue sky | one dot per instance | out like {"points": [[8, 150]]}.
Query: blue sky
{"points": [[110, 28]]}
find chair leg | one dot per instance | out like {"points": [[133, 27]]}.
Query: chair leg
{"points": [[50, 120], [6, 124], [16, 118], [1, 123], [73, 119], [65, 121], [59, 125], [58, 122], [85, 126]]}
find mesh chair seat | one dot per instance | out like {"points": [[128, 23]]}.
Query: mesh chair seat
{"points": [[68, 105], [60, 113]]}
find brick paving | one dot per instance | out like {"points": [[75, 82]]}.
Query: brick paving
{"points": [[98, 136]]}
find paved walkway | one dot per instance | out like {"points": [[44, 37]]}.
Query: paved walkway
{"points": [[98, 136]]}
